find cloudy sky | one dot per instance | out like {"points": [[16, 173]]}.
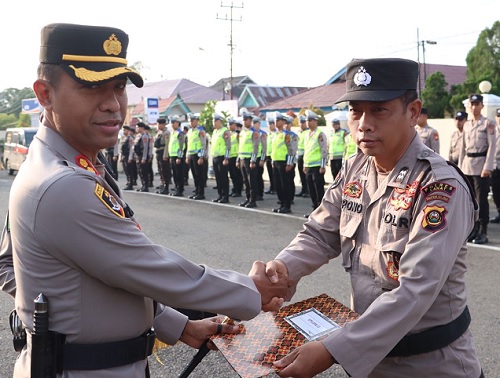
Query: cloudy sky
{"points": [[276, 42]]}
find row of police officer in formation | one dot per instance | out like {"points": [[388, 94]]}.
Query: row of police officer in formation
{"points": [[239, 151]]}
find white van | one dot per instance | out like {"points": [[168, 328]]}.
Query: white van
{"points": [[17, 142]]}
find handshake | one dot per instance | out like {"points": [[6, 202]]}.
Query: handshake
{"points": [[272, 281]]}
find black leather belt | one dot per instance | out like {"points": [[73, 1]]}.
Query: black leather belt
{"points": [[476, 154], [432, 339], [107, 355]]}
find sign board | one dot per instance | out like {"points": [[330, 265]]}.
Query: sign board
{"points": [[151, 108], [30, 106]]}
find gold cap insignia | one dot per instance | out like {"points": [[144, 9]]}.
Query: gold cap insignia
{"points": [[112, 46]]}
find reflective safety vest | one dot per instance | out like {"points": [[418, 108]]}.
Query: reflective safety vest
{"points": [[246, 143], [279, 149], [312, 149], [270, 138], [174, 149], [194, 141], [234, 145], [351, 146], [336, 146], [218, 142], [302, 137]]}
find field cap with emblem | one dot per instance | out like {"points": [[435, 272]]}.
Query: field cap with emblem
{"points": [[230, 120], [335, 121], [256, 119], [218, 117], [161, 120], [192, 116], [424, 111], [89, 54], [475, 98], [175, 118], [279, 116], [461, 115], [302, 118], [381, 79], [311, 115]]}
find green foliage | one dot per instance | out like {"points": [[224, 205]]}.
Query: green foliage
{"points": [[435, 97], [11, 100], [8, 120], [318, 111], [206, 116], [24, 120]]}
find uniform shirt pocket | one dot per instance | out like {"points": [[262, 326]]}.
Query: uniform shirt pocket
{"points": [[349, 225]]}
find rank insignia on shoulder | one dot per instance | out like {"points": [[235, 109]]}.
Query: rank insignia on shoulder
{"points": [[85, 163], [109, 201]]}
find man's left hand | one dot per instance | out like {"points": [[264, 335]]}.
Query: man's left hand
{"points": [[196, 332], [306, 361]]}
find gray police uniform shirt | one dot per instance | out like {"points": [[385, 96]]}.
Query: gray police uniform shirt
{"points": [[72, 242], [456, 142], [479, 138], [429, 136], [403, 241]]}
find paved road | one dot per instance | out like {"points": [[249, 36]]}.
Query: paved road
{"points": [[228, 236]]}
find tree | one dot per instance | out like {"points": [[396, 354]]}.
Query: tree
{"points": [[483, 63], [11, 100], [206, 116], [435, 96], [7, 120]]}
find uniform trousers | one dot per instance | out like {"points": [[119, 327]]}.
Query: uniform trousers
{"points": [[163, 168], [134, 174], [151, 173], [481, 188], [250, 179], [144, 173], [126, 169], [283, 183], [178, 173], [316, 184], [335, 166], [236, 176], [260, 179], [110, 157], [197, 172], [302, 175], [221, 173], [495, 188], [269, 167]]}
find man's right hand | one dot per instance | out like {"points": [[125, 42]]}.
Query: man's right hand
{"points": [[272, 283]]}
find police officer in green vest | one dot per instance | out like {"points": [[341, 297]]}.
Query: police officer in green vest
{"points": [[176, 153], [196, 155], [350, 145], [283, 156], [315, 159], [221, 149], [234, 171], [247, 159], [304, 191], [269, 162], [336, 147]]}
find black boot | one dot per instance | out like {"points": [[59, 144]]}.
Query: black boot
{"points": [[474, 232], [496, 219], [482, 237]]}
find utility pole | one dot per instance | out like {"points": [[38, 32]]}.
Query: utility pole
{"points": [[418, 61], [231, 45]]}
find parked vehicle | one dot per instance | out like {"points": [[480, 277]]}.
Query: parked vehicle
{"points": [[17, 142]]}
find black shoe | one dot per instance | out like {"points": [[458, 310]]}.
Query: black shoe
{"points": [[214, 187], [217, 199], [299, 194], [144, 190], [192, 197], [177, 194], [224, 200], [496, 219], [128, 187], [243, 204], [134, 183], [269, 192], [251, 204], [260, 198], [159, 187], [305, 195], [276, 209], [164, 191], [481, 239], [236, 195], [199, 197], [284, 210], [306, 215]]}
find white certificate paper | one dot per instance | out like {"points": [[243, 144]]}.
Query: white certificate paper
{"points": [[312, 324]]}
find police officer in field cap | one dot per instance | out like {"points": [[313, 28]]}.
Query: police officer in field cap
{"points": [[74, 239], [398, 215], [457, 138]]}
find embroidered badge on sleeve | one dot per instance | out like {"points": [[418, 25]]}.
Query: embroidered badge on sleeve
{"points": [[109, 201], [434, 218]]}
